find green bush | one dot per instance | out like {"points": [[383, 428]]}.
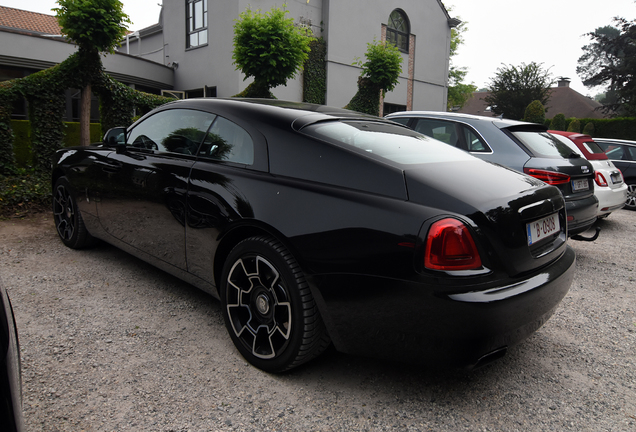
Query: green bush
{"points": [[574, 126], [26, 191], [589, 128], [535, 112], [558, 122]]}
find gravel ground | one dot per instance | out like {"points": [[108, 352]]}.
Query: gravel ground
{"points": [[111, 344]]}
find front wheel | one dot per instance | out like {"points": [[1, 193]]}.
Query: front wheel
{"points": [[631, 196], [268, 308], [68, 220]]}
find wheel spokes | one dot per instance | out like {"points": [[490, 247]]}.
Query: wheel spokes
{"points": [[631, 196], [64, 213], [258, 306]]}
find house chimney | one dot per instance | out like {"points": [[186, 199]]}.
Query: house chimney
{"points": [[563, 82]]}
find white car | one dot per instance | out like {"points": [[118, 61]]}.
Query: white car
{"points": [[610, 187]]}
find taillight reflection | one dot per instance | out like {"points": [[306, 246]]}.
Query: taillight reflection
{"points": [[450, 246]]}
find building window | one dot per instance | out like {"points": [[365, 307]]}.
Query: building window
{"points": [[398, 30], [197, 25]]}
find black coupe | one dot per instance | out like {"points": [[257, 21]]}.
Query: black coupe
{"points": [[316, 225]]}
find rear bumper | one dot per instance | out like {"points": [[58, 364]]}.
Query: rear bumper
{"points": [[414, 322], [581, 214], [610, 200]]}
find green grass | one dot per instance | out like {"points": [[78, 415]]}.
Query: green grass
{"points": [[25, 193]]}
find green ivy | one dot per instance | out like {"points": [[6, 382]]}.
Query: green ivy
{"points": [[315, 73], [45, 94], [24, 191], [367, 98]]}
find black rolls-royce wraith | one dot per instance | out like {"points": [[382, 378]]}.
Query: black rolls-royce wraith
{"points": [[316, 225]]}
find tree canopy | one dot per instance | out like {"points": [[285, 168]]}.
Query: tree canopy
{"points": [[458, 91], [610, 61], [513, 88], [93, 24], [380, 73], [269, 47]]}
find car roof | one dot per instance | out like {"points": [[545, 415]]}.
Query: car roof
{"points": [[617, 141], [501, 123], [270, 111], [579, 140]]}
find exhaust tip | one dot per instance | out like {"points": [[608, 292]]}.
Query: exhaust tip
{"points": [[490, 357]]}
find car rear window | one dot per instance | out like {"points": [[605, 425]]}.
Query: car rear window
{"points": [[386, 141], [543, 144]]}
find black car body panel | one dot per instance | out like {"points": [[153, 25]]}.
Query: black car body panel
{"points": [[11, 418], [354, 217], [507, 143]]}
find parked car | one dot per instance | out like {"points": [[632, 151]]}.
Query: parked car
{"points": [[314, 224], [524, 147], [610, 189], [623, 154], [11, 419]]}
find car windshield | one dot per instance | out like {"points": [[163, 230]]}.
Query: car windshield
{"points": [[543, 144], [386, 141]]}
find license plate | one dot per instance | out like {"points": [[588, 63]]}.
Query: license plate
{"points": [[542, 228], [616, 178], [578, 185]]}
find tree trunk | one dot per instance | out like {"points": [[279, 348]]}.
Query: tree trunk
{"points": [[85, 116]]}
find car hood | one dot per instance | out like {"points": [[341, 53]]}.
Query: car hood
{"points": [[498, 202]]}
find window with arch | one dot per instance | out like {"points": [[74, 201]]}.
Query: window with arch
{"points": [[398, 30]]}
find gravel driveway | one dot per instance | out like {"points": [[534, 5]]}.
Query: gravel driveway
{"points": [[111, 344]]}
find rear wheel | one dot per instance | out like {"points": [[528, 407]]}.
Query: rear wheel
{"points": [[268, 308], [68, 220], [631, 196]]}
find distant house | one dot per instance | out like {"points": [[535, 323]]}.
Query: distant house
{"points": [[563, 100]]}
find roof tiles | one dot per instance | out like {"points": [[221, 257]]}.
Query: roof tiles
{"points": [[29, 21]]}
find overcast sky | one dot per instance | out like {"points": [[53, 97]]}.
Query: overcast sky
{"points": [[500, 32]]}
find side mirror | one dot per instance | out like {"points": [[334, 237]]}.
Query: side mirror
{"points": [[115, 136]]}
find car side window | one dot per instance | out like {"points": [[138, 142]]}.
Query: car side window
{"points": [[613, 151], [175, 131], [227, 141], [440, 130], [474, 143], [632, 152]]}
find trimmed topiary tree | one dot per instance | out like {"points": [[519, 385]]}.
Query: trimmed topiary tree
{"points": [[95, 26], [589, 128], [574, 126], [535, 112], [269, 48], [558, 122], [380, 73]]}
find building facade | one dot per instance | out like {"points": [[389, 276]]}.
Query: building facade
{"points": [[189, 50], [195, 38]]}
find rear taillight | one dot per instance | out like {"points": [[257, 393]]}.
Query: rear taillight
{"points": [[600, 179], [550, 177], [450, 246]]}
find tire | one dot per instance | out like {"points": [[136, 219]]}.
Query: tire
{"points": [[631, 196], [268, 308], [68, 220]]}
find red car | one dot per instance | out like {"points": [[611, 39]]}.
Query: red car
{"points": [[610, 188]]}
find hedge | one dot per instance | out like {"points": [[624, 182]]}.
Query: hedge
{"points": [[22, 139], [618, 128]]}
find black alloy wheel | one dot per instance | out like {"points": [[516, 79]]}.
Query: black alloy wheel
{"points": [[268, 308], [68, 220]]}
